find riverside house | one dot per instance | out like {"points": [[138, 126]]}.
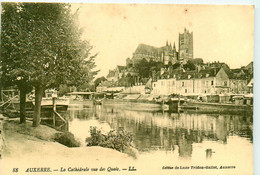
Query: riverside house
{"points": [[208, 81]]}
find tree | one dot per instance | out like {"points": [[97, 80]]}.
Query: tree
{"points": [[63, 89], [127, 80], [12, 48], [176, 65], [196, 61], [143, 68], [51, 47], [99, 80], [189, 66], [170, 64]]}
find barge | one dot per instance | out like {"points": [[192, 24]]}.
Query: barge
{"points": [[205, 107], [137, 105]]}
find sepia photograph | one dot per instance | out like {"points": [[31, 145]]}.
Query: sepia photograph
{"points": [[106, 88]]}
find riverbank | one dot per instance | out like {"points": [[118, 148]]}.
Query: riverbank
{"points": [[26, 146], [187, 105], [217, 108]]}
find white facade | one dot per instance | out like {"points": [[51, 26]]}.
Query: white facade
{"points": [[164, 86], [193, 86]]}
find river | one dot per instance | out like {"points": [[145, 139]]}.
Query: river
{"points": [[184, 137]]}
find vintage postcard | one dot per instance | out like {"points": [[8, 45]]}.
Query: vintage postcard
{"points": [[126, 89]]}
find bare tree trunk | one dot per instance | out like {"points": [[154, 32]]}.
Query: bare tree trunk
{"points": [[37, 109], [22, 105]]}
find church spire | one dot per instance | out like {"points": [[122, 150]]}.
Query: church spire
{"points": [[174, 48], [167, 43]]}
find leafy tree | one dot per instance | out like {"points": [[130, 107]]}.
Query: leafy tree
{"points": [[189, 66], [130, 80], [143, 68], [159, 65], [119, 140], [127, 81], [13, 50], [152, 63], [196, 61], [51, 51], [170, 64], [99, 80], [176, 65], [63, 89]]}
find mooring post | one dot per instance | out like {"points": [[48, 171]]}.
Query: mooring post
{"points": [[178, 104], [54, 109]]}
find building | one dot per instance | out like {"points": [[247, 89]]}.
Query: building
{"points": [[163, 54], [164, 86], [111, 76], [185, 46], [167, 53], [239, 80], [238, 86], [116, 74], [250, 67], [250, 86], [104, 85], [210, 81]]}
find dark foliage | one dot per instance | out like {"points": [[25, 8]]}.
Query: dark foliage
{"points": [[99, 80], [119, 140], [42, 47], [145, 68], [67, 139], [189, 66]]}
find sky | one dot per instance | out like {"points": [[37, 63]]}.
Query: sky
{"points": [[222, 33]]}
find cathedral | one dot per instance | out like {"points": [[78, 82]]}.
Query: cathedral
{"points": [[167, 53]]}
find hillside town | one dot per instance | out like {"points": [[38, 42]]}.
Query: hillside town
{"points": [[169, 103], [165, 71]]}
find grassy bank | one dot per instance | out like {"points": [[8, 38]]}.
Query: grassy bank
{"points": [[27, 147], [24, 142]]}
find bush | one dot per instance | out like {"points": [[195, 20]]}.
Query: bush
{"points": [[119, 140], [67, 139]]}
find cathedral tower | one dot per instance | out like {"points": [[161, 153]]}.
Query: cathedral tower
{"points": [[185, 46]]}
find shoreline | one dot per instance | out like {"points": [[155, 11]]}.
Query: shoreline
{"points": [[27, 146], [189, 107]]}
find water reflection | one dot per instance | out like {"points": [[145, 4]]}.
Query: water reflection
{"points": [[175, 133]]}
